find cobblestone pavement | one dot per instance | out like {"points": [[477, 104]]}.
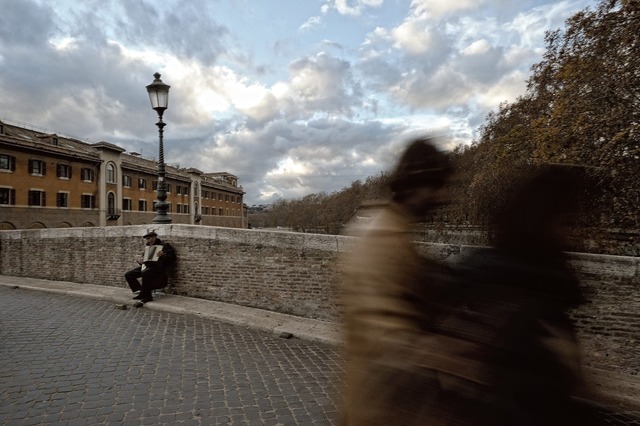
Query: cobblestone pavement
{"points": [[75, 361]]}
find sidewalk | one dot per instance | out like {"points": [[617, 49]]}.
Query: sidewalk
{"points": [[303, 328]]}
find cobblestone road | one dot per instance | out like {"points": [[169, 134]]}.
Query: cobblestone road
{"points": [[76, 361], [68, 360]]}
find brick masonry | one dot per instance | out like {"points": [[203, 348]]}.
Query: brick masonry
{"points": [[299, 274]]}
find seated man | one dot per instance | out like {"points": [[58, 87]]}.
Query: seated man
{"points": [[158, 256]]}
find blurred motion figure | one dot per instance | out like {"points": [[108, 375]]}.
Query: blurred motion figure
{"points": [[490, 344], [385, 301], [513, 306]]}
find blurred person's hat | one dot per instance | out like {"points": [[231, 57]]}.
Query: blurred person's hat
{"points": [[422, 164]]}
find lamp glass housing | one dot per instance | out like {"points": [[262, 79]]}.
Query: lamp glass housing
{"points": [[158, 94]]}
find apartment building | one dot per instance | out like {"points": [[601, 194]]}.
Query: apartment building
{"points": [[52, 181]]}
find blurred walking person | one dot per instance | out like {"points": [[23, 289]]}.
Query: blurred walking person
{"points": [[385, 301]]}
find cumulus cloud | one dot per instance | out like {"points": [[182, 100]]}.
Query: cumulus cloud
{"points": [[329, 106], [440, 8], [353, 7]]}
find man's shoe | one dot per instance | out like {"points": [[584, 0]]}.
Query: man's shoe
{"points": [[138, 297], [138, 304], [147, 299]]}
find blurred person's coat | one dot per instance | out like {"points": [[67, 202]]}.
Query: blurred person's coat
{"points": [[383, 311]]}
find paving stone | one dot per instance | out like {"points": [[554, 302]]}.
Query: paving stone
{"points": [[70, 360]]}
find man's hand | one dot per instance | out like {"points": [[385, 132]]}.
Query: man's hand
{"points": [[160, 253]]}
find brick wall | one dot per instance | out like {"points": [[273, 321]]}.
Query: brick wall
{"points": [[299, 274]]}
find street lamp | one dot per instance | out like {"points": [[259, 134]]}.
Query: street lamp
{"points": [[159, 97]]}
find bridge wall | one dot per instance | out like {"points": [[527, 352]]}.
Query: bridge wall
{"points": [[299, 274]]}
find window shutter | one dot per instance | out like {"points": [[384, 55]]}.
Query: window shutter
{"points": [[12, 161], [44, 198], [44, 168], [59, 170], [70, 171], [12, 197], [30, 166]]}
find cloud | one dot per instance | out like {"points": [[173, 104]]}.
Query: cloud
{"points": [[24, 23], [331, 105], [436, 9], [343, 7], [310, 24], [304, 157]]}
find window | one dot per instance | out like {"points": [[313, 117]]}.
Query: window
{"points": [[54, 140], [220, 212], [126, 181], [63, 171], [126, 204], [227, 212], [155, 185], [62, 200], [7, 163], [88, 201], [142, 183], [233, 198], [178, 208], [37, 198], [213, 211], [205, 210], [185, 208], [205, 194], [37, 167], [226, 198], [142, 205], [87, 175], [185, 191], [168, 185], [111, 173], [219, 197], [179, 190], [7, 196], [111, 204]]}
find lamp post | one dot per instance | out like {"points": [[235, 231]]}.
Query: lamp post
{"points": [[159, 97]]}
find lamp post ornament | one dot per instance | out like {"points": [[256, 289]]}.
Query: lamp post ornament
{"points": [[159, 97]]}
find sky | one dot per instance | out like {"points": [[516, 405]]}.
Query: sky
{"points": [[292, 96]]}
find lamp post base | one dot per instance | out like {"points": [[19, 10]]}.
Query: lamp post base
{"points": [[161, 219]]}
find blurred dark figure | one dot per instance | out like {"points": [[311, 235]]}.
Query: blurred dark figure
{"points": [[511, 312], [385, 299]]}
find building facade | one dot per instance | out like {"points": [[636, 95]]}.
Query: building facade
{"points": [[52, 181]]}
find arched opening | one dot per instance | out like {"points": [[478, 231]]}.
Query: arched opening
{"points": [[111, 173], [7, 226], [111, 204], [65, 225], [37, 225]]}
